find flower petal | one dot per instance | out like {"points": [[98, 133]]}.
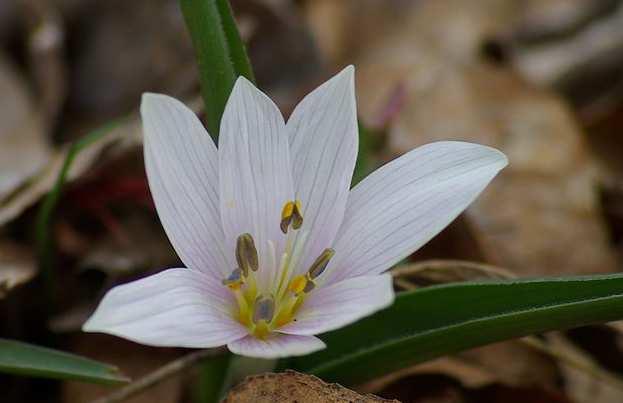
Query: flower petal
{"points": [[255, 177], [174, 308], [405, 203], [276, 346], [181, 164], [323, 142], [336, 305]]}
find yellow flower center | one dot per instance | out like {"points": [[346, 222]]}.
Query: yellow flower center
{"points": [[263, 312]]}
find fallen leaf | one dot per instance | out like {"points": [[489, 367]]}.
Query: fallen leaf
{"points": [[23, 142], [17, 266], [291, 386]]}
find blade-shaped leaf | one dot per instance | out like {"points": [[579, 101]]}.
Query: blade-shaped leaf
{"points": [[436, 321], [221, 55], [26, 359]]}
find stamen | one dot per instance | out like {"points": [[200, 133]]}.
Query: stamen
{"points": [[291, 214], [298, 284], [320, 263], [264, 309], [309, 286], [246, 254], [234, 280], [297, 218]]}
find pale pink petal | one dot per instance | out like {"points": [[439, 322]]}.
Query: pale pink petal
{"points": [[255, 175], [337, 305], [182, 167], [276, 346], [323, 142], [405, 203], [174, 308]]}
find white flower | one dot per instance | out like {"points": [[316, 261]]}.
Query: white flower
{"points": [[278, 248]]}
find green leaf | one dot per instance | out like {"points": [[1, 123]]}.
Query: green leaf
{"points": [[26, 359], [221, 55], [432, 322], [213, 375]]}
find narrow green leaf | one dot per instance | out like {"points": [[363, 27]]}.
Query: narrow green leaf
{"points": [[432, 322], [221, 55], [26, 359]]}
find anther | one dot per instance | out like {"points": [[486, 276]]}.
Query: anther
{"points": [[246, 254], [298, 284], [320, 263], [234, 280], [310, 285], [264, 309], [291, 214]]}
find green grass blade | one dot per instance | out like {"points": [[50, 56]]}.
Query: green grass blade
{"points": [[30, 360], [436, 321], [221, 55]]}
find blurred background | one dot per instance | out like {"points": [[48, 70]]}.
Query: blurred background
{"points": [[540, 79]]}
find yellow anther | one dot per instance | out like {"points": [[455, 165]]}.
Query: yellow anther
{"points": [[298, 284], [291, 214], [320, 263], [246, 254]]}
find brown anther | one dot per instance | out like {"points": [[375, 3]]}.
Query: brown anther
{"points": [[320, 263], [291, 214], [246, 254]]}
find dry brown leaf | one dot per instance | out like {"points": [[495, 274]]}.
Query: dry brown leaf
{"points": [[528, 220], [17, 266], [135, 360], [23, 144], [541, 215], [291, 386], [467, 373], [440, 271], [118, 257], [587, 381], [117, 141]]}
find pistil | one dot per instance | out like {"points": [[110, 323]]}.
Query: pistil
{"points": [[264, 310]]}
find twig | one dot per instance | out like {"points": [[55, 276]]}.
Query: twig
{"points": [[451, 265], [159, 375]]}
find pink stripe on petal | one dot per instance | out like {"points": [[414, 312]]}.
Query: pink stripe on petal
{"points": [[174, 308], [405, 203], [324, 139], [337, 305], [182, 167], [276, 346], [255, 174]]}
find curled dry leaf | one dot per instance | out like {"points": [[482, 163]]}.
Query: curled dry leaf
{"points": [[120, 139], [541, 215], [440, 271], [528, 220], [291, 386], [17, 266], [117, 140], [23, 146], [586, 380]]}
